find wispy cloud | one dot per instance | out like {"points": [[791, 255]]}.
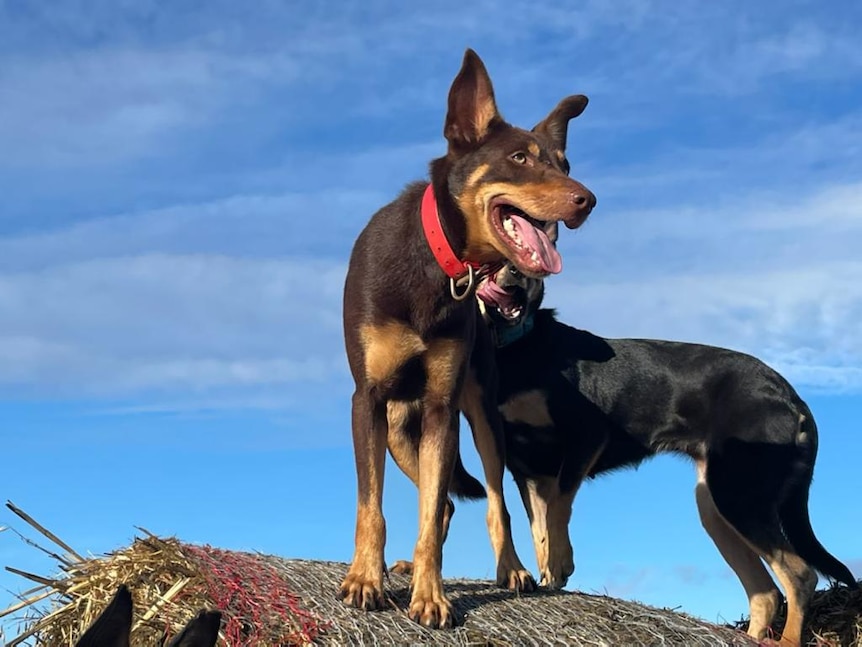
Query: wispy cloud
{"points": [[803, 320], [624, 581], [170, 324]]}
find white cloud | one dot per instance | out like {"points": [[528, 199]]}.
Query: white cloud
{"points": [[802, 320], [245, 225], [103, 106], [170, 324]]}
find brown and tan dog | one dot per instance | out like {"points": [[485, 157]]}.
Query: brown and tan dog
{"points": [[415, 351]]}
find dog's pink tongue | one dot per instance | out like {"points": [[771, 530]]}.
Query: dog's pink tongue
{"points": [[492, 294], [537, 241]]}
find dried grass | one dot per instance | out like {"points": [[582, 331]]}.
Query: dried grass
{"points": [[170, 581]]}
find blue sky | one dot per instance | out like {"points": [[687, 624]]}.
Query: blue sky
{"points": [[181, 185]]}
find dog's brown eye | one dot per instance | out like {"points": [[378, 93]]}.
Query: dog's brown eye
{"points": [[519, 158]]}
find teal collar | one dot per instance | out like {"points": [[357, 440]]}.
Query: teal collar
{"points": [[511, 334]]}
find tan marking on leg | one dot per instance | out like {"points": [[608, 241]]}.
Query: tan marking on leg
{"points": [[398, 413], [363, 585], [549, 511], [536, 506], [510, 571], [798, 580], [405, 453], [763, 596], [561, 559], [529, 408], [438, 448], [444, 363], [534, 149], [387, 347]]}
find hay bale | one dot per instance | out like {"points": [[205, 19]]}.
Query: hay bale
{"points": [[271, 601], [268, 600]]}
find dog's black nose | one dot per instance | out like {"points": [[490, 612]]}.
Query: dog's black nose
{"points": [[586, 200], [582, 201]]}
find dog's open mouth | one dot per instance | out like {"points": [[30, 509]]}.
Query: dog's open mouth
{"points": [[509, 303], [528, 239]]}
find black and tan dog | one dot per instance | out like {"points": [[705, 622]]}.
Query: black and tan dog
{"points": [[576, 405], [113, 627], [415, 350]]}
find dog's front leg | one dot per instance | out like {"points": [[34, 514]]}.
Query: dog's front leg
{"points": [[363, 586], [549, 511], [438, 448], [480, 408]]}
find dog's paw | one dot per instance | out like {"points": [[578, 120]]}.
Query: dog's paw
{"points": [[434, 612], [402, 567], [556, 576], [517, 579], [362, 592], [554, 582]]}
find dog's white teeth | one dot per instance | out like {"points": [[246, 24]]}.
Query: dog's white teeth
{"points": [[534, 256], [509, 228]]}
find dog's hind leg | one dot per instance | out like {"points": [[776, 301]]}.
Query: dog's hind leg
{"points": [[480, 408], [363, 585], [403, 444], [746, 481], [763, 596]]}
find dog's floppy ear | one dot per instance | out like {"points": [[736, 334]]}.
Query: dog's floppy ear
{"points": [[556, 125], [201, 631], [472, 109], [112, 627]]}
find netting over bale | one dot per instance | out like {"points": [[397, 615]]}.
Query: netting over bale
{"points": [[271, 601]]}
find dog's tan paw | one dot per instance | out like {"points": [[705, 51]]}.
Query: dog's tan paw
{"points": [[556, 576], [402, 567], [362, 592], [517, 579], [435, 612]]}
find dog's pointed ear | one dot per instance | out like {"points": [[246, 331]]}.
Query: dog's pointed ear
{"points": [[201, 631], [112, 627], [556, 125], [472, 109]]}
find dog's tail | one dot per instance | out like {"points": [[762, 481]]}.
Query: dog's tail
{"points": [[464, 485], [793, 510]]}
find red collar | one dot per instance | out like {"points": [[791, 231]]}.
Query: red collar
{"points": [[454, 267]]}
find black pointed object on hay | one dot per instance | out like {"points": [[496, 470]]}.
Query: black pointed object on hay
{"points": [[202, 630], [114, 624], [112, 628]]}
